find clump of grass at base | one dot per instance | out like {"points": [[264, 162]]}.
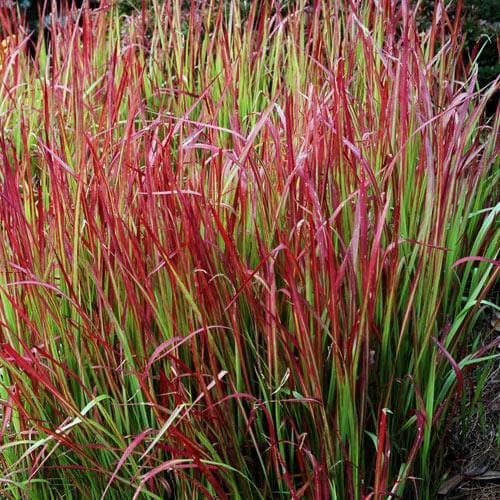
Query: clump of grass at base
{"points": [[241, 259]]}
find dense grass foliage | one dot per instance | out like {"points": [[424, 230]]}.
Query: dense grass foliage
{"points": [[240, 258]]}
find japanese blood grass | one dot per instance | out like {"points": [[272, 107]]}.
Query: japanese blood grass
{"points": [[240, 257]]}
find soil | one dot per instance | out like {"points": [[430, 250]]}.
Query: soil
{"points": [[473, 441]]}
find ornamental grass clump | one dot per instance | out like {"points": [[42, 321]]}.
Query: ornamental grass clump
{"points": [[243, 249]]}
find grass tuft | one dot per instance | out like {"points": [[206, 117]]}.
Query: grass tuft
{"points": [[243, 248]]}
